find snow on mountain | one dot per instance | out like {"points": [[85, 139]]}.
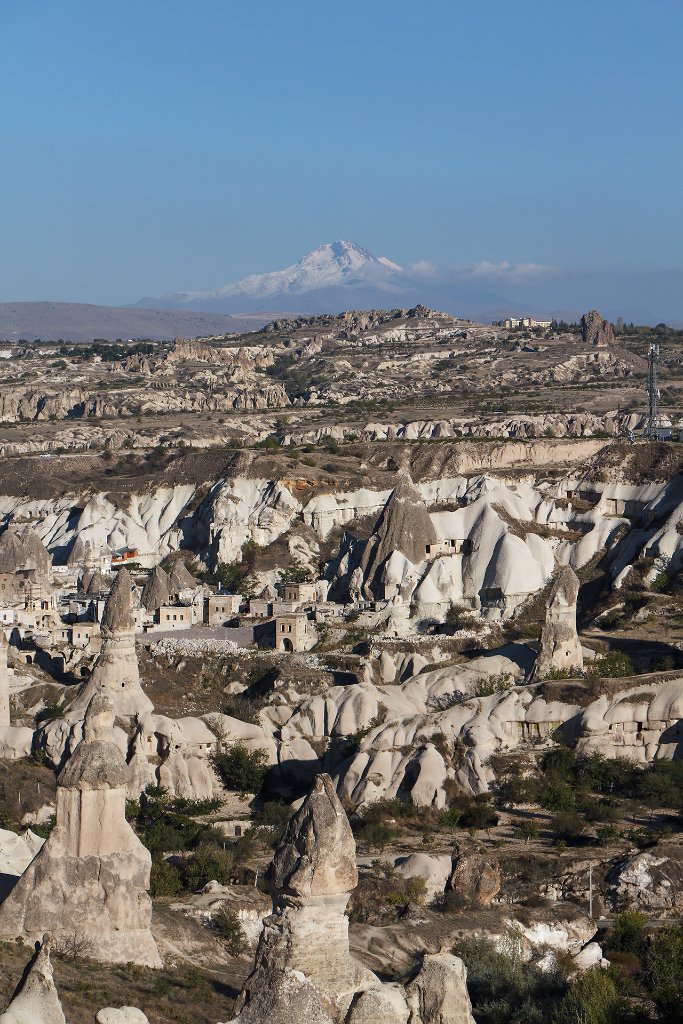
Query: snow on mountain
{"points": [[336, 263], [336, 276]]}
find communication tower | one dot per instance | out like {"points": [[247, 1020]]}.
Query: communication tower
{"points": [[653, 394]]}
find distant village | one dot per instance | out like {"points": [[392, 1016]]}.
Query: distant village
{"points": [[52, 613]]}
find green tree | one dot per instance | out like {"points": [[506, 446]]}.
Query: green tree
{"points": [[227, 923], [628, 933], [663, 973], [241, 769], [593, 998]]}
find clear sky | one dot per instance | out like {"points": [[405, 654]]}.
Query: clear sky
{"points": [[158, 145]]}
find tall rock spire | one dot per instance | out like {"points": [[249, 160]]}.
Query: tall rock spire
{"points": [[560, 647], [404, 525], [91, 877], [303, 969], [35, 1000], [4, 681], [116, 668]]}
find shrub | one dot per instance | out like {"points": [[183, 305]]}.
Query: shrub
{"points": [[227, 924], [663, 973], [593, 998], [527, 830], [487, 685], [241, 769], [164, 879], [376, 834], [208, 864], [504, 988], [614, 665], [568, 826], [628, 933]]}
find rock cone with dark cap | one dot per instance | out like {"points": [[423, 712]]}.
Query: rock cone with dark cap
{"points": [[157, 590], [304, 972], [116, 668], [560, 648], [404, 525], [90, 880], [35, 1000], [595, 330]]}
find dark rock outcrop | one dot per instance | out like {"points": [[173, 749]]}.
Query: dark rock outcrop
{"points": [[595, 330]]}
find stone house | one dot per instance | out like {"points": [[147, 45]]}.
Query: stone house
{"points": [[221, 608], [294, 632], [175, 616], [298, 593]]}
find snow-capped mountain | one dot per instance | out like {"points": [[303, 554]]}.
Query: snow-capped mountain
{"points": [[336, 265], [341, 275]]}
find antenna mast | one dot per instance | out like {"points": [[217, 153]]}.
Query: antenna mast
{"points": [[652, 391]]}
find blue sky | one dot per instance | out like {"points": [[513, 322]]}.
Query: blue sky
{"points": [[154, 146]]}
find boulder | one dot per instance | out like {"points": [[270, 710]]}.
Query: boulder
{"points": [[438, 995], [475, 875], [122, 1015], [434, 871], [651, 881]]}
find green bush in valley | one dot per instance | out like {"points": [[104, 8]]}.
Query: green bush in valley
{"points": [[593, 998], [241, 769], [614, 665], [628, 933], [568, 826], [164, 879], [505, 989], [208, 864], [663, 973], [227, 923]]}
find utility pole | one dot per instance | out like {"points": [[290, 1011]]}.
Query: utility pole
{"points": [[653, 395]]}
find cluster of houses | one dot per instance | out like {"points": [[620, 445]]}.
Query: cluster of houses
{"points": [[53, 613]]}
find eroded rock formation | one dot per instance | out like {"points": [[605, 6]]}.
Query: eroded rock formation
{"points": [[595, 330], [404, 527], [91, 878], [116, 669], [157, 590], [303, 969], [35, 1000], [4, 682], [560, 648]]}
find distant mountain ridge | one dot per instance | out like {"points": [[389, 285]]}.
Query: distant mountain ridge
{"points": [[75, 321]]}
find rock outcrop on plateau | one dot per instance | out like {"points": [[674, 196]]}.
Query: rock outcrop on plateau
{"points": [[303, 969], [595, 330], [90, 880]]}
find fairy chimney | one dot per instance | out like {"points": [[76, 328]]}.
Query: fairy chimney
{"points": [[116, 668], [4, 681], [90, 880], [35, 999], [560, 648]]}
